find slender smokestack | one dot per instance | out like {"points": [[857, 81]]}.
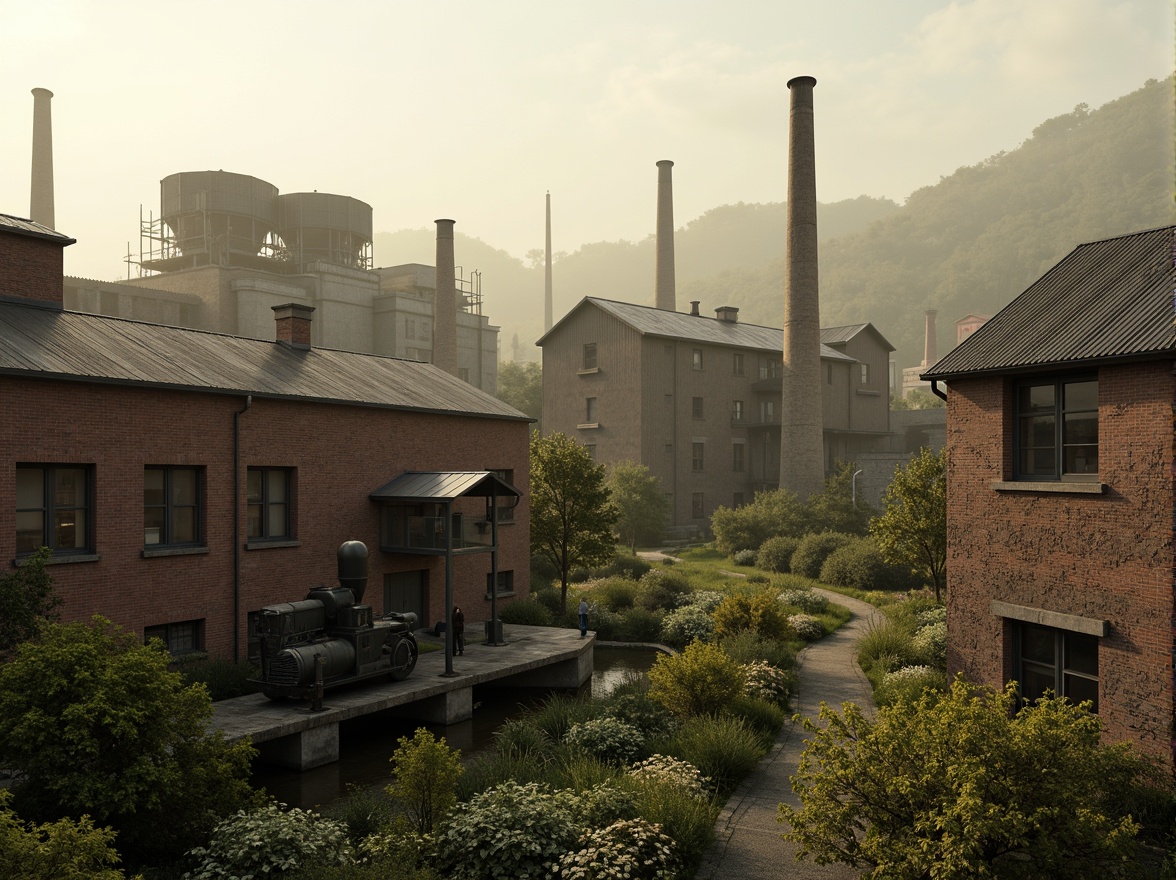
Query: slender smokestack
{"points": [[801, 426], [665, 295], [547, 274], [41, 201], [445, 302], [930, 354]]}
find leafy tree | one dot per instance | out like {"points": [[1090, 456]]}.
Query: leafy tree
{"points": [[26, 596], [62, 850], [426, 772], [98, 726], [912, 529], [521, 385], [571, 515], [758, 612], [834, 508], [778, 512], [641, 505], [964, 787]]}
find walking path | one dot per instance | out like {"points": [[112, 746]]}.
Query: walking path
{"points": [[747, 835]]}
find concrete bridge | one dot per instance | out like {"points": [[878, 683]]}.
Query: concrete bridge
{"points": [[290, 734]]}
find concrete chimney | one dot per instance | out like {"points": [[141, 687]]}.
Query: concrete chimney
{"points": [[930, 352], [41, 200], [730, 314], [694, 303], [445, 302], [547, 274], [802, 467], [293, 325], [665, 294]]}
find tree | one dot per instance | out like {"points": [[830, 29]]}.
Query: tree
{"points": [[62, 850], [837, 508], [964, 787], [521, 385], [641, 505], [571, 515], [917, 398], [774, 513], [912, 529], [426, 771], [26, 596], [98, 726]]}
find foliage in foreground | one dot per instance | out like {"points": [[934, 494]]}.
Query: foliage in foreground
{"points": [[426, 772], [912, 529], [26, 597], [62, 850], [701, 679], [964, 787]]}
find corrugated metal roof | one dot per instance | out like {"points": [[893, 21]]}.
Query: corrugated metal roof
{"points": [[838, 335], [22, 226], [650, 321], [443, 486], [50, 344], [1108, 300]]}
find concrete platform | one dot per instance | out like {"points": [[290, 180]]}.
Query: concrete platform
{"points": [[290, 734]]}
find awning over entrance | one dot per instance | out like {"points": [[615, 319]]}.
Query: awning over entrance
{"points": [[444, 486]]}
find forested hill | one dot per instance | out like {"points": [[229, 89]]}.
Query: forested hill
{"points": [[969, 243]]}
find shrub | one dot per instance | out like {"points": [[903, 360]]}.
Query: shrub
{"points": [[629, 848], [745, 647], [670, 770], [520, 738], [625, 565], [509, 831], [364, 811], [639, 625], [685, 817], [720, 746], [613, 593], [768, 682], [757, 578], [699, 680], [486, 772], [806, 600], [528, 612], [687, 625], [62, 850], [887, 642], [775, 554], [707, 600], [764, 718], [931, 643], [224, 678], [607, 739], [650, 717], [814, 549], [270, 839], [659, 589], [806, 626], [778, 512], [604, 803], [938, 614], [546, 597], [860, 565], [559, 712], [426, 772], [744, 557], [908, 684], [759, 612]]}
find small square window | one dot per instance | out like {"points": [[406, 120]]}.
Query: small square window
{"points": [[669, 449], [828, 374], [506, 506], [463, 373], [696, 407], [697, 358], [589, 360]]}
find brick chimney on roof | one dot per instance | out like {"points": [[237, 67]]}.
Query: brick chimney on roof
{"points": [[293, 325], [31, 262]]}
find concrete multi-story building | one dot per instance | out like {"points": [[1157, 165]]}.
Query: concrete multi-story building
{"points": [[184, 479], [697, 399], [1061, 504]]}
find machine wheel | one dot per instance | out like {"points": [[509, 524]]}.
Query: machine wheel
{"points": [[274, 694], [404, 658]]}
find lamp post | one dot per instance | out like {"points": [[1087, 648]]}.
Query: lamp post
{"points": [[853, 487]]}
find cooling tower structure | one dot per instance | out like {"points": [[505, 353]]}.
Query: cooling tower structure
{"points": [[324, 227], [41, 189], [801, 430], [665, 295], [445, 302]]}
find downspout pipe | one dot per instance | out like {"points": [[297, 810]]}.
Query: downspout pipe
{"points": [[942, 395], [237, 527]]}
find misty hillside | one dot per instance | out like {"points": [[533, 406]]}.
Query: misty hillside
{"points": [[969, 243]]}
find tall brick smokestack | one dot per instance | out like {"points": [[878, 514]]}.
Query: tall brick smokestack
{"points": [[547, 308], [930, 351], [41, 200], [665, 296], [445, 302], [802, 467]]}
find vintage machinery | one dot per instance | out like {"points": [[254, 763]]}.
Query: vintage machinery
{"points": [[329, 636]]}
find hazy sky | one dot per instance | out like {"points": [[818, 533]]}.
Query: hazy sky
{"points": [[473, 110]]}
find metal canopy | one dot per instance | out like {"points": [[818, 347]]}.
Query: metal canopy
{"points": [[442, 486]]}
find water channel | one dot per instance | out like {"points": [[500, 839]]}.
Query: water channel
{"points": [[367, 743]]}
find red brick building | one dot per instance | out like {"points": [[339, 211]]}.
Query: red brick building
{"points": [[1062, 489], [185, 479]]}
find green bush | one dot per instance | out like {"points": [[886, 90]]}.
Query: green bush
{"points": [[607, 739], [745, 647], [766, 682], [624, 565], [687, 625], [639, 625], [763, 717], [778, 512], [701, 679], [62, 850], [628, 848], [860, 565], [722, 747], [558, 713], [615, 593], [669, 770], [814, 549], [907, 684], [886, 646], [519, 738], [224, 678], [685, 816], [527, 612], [426, 771], [650, 717], [663, 590], [806, 600], [744, 557], [775, 554], [548, 598], [364, 811], [806, 626], [580, 772], [931, 643], [758, 612], [487, 771], [270, 839]]}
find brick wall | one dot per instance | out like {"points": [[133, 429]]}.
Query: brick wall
{"points": [[32, 268], [1107, 557]]}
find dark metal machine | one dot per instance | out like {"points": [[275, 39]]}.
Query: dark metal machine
{"points": [[329, 638]]}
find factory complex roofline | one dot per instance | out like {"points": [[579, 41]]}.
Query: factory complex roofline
{"points": [[43, 343], [24, 226]]}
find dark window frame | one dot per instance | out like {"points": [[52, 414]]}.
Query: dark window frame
{"points": [[266, 503], [588, 359], [737, 363], [696, 358], [1062, 441], [697, 456], [50, 507], [169, 507], [1069, 679], [697, 408], [505, 582], [173, 634]]}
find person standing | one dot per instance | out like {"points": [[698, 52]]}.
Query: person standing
{"points": [[458, 630], [583, 618]]}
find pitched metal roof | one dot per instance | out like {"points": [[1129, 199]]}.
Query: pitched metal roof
{"points": [[49, 344], [21, 226], [838, 335], [443, 486], [1109, 300], [649, 321]]}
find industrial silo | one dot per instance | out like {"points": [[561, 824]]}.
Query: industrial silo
{"points": [[324, 227]]}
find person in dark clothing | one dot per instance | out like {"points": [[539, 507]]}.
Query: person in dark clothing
{"points": [[458, 630], [583, 618]]}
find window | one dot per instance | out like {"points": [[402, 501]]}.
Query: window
{"points": [[770, 368], [180, 638], [505, 582], [737, 458], [696, 506], [590, 410], [589, 361], [737, 410], [737, 363], [171, 506], [865, 373], [54, 508], [767, 411], [697, 358], [1057, 429], [696, 407], [1056, 660], [697, 450], [269, 504], [591, 448]]}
